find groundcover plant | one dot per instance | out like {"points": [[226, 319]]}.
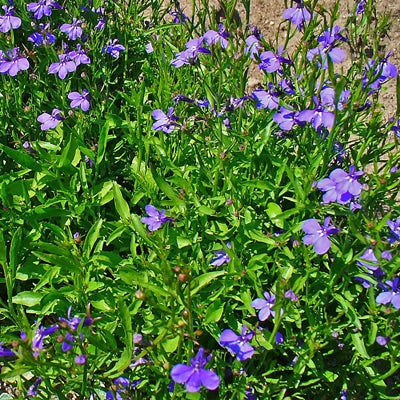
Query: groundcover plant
{"points": [[168, 232]]}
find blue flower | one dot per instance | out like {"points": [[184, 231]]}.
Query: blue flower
{"points": [[164, 122], [318, 235], [9, 21], [190, 55], [221, 256], [194, 375], [42, 7], [297, 15], [113, 48], [80, 100], [37, 341], [238, 344], [32, 391], [50, 121], [265, 306], [4, 352], [73, 30], [394, 230], [155, 218], [341, 186], [392, 295]]}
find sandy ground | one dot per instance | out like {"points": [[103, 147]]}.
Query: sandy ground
{"points": [[267, 15]]}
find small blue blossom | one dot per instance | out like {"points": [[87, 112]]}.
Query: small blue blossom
{"points": [[164, 122], [195, 375], [113, 48], [265, 306], [318, 235], [155, 218], [238, 344], [221, 256]]}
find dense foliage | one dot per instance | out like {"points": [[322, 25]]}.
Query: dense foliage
{"points": [[166, 231]]}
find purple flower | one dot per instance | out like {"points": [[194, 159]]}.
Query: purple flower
{"points": [[394, 230], [271, 62], [392, 295], [42, 7], [212, 37], [14, 63], [9, 21], [279, 339], [327, 48], [123, 387], [328, 98], [221, 257], [318, 235], [50, 121], [190, 55], [37, 341], [341, 186], [80, 100], [43, 37], [74, 322], [319, 116], [380, 73], [155, 218], [73, 30], [27, 146], [32, 391], [382, 340], [253, 45], [238, 344], [179, 16], [164, 122], [361, 6], [4, 352], [194, 375], [285, 118], [79, 56], [265, 306], [67, 345], [289, 294], [266, 99], [80, 359], [297, 15], [343, 395], [101, 23], [113, 48], [63, 67]]}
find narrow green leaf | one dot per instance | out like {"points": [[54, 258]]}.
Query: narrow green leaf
{"points": [[359, 344], [120, 204], [199, 282], [24, 159], [102, 143], [91, 238]]}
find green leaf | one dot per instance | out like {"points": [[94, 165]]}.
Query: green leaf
{"points": [[91, 238], [214, 312], [120, 204], [170, 345], [126, 357], [359, 344], [24, 159], [199, 282], [28, 299], [273, 210], [102, 143]]}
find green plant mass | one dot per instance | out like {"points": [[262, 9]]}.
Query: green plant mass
{"points": [[170, 229]]}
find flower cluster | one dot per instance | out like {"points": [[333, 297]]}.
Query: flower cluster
{"points": [[341, 186]]}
